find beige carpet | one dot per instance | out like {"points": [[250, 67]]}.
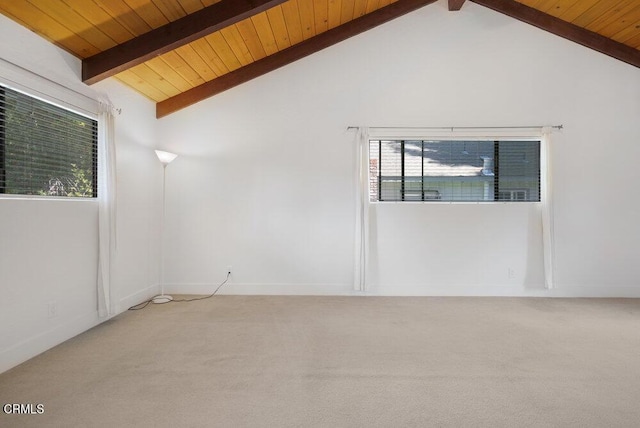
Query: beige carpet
{"points": [[237, 361]]}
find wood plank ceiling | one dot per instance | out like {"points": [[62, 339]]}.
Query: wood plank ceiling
{"points": [[259, 42]]}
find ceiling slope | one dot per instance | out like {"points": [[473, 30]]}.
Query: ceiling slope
{"points": [[564, 29], [179, 52], [170, 36], [289, 55]]}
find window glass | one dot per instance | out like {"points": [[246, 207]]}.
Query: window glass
{"points": [[44, 149], [454, 170]]}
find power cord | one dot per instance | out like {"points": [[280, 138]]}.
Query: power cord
{"points": [[205, 297], [146, 303], [140, 306]]}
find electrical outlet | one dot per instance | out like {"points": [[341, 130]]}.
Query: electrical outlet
{"points": [[511, 273], [228, 270], [52, 310]]}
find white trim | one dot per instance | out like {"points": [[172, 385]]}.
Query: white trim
{"points": [[41, 342], [28, 348], [34, 85], [232, 288], [138, 297], [311, 289], [45, 198], [629, 291]]}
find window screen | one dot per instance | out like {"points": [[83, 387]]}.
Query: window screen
{"points": [[44, 149], [464, 171]]}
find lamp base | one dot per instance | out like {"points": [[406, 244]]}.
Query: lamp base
{"points": [[162, 298]]}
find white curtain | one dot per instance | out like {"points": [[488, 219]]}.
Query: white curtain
{"points": [[106, 208], [546, 198], [362, 210]]}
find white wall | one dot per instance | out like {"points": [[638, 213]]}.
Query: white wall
{"points": [[265, 178], [264, 182], [139, 194], [48, 248]]}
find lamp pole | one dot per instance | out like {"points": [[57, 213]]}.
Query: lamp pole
{"points": [[165, 158]]}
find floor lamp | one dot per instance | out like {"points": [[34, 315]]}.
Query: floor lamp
{"points": [[165, 158]]}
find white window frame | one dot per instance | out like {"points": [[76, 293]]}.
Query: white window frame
{"points": [[81, 100]]}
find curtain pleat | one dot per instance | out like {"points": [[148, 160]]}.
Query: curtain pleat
{"points": [[362, 210], [546, 199], [106, 209]]}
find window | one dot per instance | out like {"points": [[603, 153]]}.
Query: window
{"points": [[447, 170], [513, 195], [44, 149]]}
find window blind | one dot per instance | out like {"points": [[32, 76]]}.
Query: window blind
{"points": [[44, 149], [454, 170]]}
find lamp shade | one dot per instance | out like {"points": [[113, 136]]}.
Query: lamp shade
{"points": [[165, 157]]}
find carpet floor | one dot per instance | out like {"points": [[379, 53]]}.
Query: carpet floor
{"points": [[294, 361]]}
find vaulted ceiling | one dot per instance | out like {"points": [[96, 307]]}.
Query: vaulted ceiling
{"points": [[178, 52]]}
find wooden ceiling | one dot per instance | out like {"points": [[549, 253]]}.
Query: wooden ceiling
{"points": [[178, 52]]}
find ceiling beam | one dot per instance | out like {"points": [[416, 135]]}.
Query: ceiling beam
{"points": [[564, 29], [455, 5], [289, 55], [170, 36]]}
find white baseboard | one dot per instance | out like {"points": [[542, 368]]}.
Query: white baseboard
{"points": [[138, 297], [405, 290], [28, 348], [47, 339], [232, 288], [615, 291], [561, 291]]}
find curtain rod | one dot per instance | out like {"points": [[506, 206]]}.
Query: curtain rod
{"points": [[453, 128]]}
